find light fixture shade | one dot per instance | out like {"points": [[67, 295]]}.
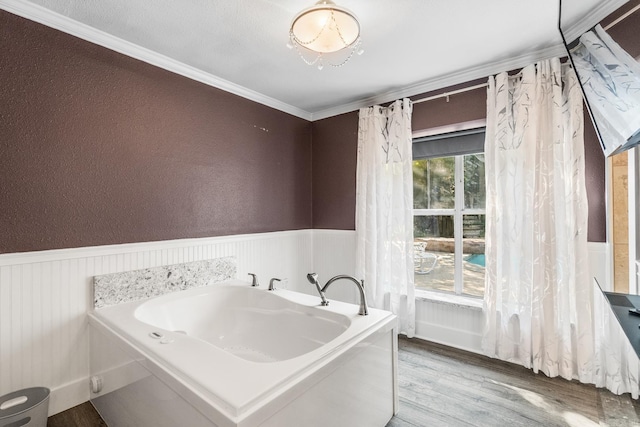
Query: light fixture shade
{"points": [[325, 28]]}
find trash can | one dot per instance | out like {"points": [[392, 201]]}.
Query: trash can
{"points": [[28, 407]]}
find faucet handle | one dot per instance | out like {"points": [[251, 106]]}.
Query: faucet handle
{"points": [[254, 280], [271, 287]]}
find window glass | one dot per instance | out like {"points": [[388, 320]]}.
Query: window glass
{"points": [[433, 226], [434, 183], [449, 219], [474, 184], [434, 252], [473, 265]]}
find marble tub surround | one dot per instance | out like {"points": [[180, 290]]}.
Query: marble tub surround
{"points": [[127, 286]]}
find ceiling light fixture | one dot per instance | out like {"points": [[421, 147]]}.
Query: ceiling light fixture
{"points": [[325, 30]]}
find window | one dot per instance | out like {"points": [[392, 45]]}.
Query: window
{"points": [[449, 212]]}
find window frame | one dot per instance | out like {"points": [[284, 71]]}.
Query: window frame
{"points": [[459, 209]]}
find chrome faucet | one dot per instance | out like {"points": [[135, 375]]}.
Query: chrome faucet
{"points": [[313, 278], [271, 287], [254, 280]]}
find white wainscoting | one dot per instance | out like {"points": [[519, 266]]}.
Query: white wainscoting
{"points": [[442, 322], [45, 296], [450, 324], [599, 267], [334, 252]]}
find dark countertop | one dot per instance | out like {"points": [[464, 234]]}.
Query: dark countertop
{"points": [[621, 304]]}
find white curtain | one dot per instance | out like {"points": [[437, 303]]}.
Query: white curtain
{"points": [[384, 210], [539, 298], [611, 80]]}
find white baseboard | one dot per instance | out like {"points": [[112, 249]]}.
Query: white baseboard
{"points": [[451, 337], [69, 395]]}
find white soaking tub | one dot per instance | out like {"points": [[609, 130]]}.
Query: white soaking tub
{"points": [[233, 355]]}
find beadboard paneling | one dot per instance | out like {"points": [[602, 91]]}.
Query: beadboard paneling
{"points": [[445, 323], [460, 327], [334, 252], [45, 296], [450, 324], [599, 268]]}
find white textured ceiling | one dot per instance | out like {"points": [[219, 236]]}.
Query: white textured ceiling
{"points": [[410, 45]]}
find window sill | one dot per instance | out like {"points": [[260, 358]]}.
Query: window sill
{"points": [[450, 299]]}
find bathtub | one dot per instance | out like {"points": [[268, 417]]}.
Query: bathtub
{"points": [[233, 355]]}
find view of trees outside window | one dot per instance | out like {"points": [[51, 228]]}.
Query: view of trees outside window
{"points": [[442, 217]]}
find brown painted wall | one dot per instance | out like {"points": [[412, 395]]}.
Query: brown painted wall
{"points": [[463, 107], [625, 33], [595, 174], [334, 158], [98, 148], [335, 144]]}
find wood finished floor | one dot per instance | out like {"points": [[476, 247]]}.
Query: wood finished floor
{"points": [[445, 387], [83, 415], [441, 386]]}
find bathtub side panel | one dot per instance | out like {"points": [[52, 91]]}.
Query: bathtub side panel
{"points": [[130, 394], [360, 392]]}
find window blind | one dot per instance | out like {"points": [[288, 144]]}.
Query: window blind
{"points": [[449, 144]]}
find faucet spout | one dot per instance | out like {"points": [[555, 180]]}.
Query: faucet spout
{"points": [[254, 280], [360, 284], [313, 279], [271, 285]]}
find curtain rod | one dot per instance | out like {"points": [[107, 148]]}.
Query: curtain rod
{"points": [[623, 17], [447, 94]]}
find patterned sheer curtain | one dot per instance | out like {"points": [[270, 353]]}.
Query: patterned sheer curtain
{"points": [[539, 297], [611, 78], [384, 210]]}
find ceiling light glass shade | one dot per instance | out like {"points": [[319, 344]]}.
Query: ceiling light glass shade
{"points": [[325, 28]]}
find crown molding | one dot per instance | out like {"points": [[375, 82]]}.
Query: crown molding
{"points": [[594, 16], [67, 25], [451, 79]]}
